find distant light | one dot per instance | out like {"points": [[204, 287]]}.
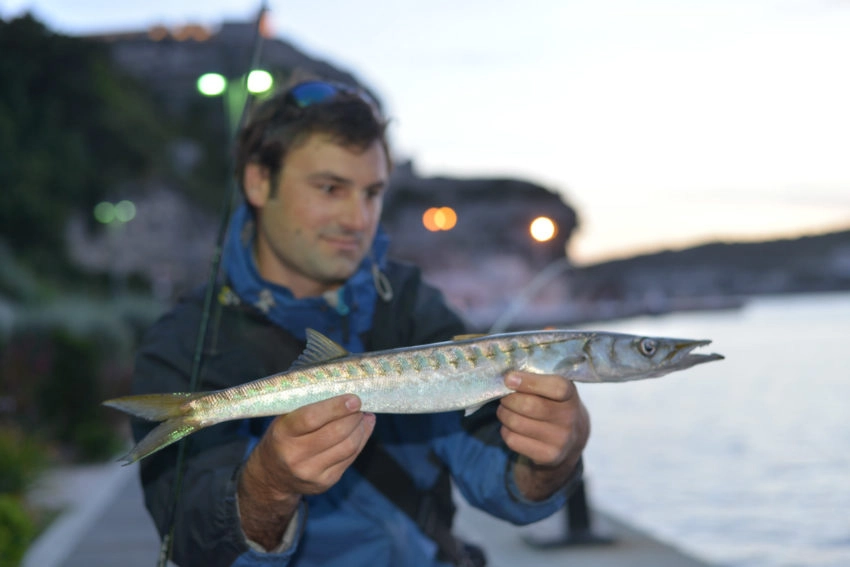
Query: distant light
{"points": [[104, 212], [125, 211], [446, 218], [158, 33], [211, 84], [428, 220], [266, 29], [108, 213], [259, 81], [543, 229], [443, 218]]}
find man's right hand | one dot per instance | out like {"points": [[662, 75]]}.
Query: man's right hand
{"points": [[302, 452]]}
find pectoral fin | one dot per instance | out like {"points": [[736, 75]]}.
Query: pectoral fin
{"points": [[472, 409]]}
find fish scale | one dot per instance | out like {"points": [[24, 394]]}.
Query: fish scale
{"points": [[447, 376]]}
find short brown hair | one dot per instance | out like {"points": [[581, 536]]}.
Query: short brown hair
{"points": [[277, 125]]}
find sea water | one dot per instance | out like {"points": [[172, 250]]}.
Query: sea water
{"points": [[742, 462]]}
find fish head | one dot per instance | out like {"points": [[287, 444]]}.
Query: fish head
{"points": [[613, 357]]}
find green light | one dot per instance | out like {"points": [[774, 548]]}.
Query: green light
{"points": [[259, 81], [104, 212], [125, 211], [211, 84]]}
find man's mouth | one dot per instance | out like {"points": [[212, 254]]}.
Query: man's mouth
{"points": [[344, 243]]}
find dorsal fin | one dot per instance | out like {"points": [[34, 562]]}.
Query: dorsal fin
{"points": [[469, 336], [319, 349]]}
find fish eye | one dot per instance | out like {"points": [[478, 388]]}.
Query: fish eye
{"points": [[648, 347]]}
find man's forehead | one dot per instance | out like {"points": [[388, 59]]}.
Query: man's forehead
{"points": [[323, 154]]}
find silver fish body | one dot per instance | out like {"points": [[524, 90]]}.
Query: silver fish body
{"points": [[455, 375]]}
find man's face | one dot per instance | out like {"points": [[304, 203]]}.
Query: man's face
{"points": [[316, 228]]}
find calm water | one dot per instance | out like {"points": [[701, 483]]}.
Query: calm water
{"points": [[742, 462]]}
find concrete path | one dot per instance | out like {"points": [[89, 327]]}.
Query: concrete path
{"points": [[106, 525]]}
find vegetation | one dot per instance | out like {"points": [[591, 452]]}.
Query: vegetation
{"points": [[73, 131], [18, 530], [71, 128], [21, 460]]}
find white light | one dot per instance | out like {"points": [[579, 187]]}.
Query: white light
{"points": [[259, 81], [542, 229], [211, 84]]}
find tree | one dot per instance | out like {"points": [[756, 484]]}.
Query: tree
{"points": [[71, 128]]}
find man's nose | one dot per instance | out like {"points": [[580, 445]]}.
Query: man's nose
{"points": [[356, 213]]}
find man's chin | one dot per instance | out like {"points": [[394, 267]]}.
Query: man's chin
{"points": [[340, 273]]}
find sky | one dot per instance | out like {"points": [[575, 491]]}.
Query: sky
{"points": [[665, 123]]}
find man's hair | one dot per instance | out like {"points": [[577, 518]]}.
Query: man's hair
{"points": [[276, 125]]}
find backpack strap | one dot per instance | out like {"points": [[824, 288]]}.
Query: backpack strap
{"points": [[432, 509]]}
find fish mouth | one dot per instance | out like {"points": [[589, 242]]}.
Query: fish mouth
{"points": [[682, 355]]}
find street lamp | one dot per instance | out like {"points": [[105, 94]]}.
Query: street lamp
{"points": [[235, 92], [543, 229]]}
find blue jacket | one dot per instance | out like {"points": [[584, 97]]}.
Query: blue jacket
{"points": [[352, 524]]}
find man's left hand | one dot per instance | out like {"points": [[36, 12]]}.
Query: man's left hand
{"points": [[545, 421]]}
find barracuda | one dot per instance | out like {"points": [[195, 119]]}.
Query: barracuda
{"points": [[461, 374]]}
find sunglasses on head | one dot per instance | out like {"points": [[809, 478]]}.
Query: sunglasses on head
{"points": [[311, 93]]}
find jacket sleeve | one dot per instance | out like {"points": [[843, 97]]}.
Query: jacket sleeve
{"points": [[482, 469], [206, 526]]}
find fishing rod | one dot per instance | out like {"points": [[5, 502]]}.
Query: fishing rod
{"points": [[215, 266]]}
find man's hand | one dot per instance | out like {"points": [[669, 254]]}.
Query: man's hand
{"points": [[545, 422], [303, 452]]}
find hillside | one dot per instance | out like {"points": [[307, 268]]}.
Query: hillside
{"points": [[811, 263]]}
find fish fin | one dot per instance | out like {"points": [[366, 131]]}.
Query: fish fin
{"points": [[468, 336], [171, 409], [161, 436], [154, 407], [319, 349], [570, 366], [472, 409]]}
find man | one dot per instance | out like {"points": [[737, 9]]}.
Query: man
{"points": [[328, 484]]}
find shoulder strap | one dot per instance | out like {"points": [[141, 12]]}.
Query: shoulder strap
{"points": [[433, 509]]}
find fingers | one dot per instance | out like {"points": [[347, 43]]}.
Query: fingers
{"points": [[308, 450], [313, 417], [541, 441], [548, 386], [544, 418], [334, 425], [340, 442]]}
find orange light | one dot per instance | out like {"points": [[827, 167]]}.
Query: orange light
{"points": [[436, 219], [265, 27], [428, 220], [543, 229], [446, 218]]}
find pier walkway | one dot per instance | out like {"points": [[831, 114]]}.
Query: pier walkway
{"points": [[105, 525]]}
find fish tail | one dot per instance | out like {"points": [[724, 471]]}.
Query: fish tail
{"points": [[178, 420], [153, 407], [161, 436]]}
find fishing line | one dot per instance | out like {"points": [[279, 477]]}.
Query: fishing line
{"points": [[215, 265]]}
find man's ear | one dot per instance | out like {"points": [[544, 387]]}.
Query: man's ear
{"points": [[257, 183]]}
